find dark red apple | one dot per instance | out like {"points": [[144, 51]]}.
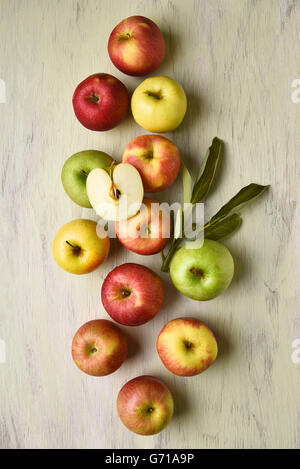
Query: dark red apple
{"points": [[132, 294], [100, 102], [99, 347]]}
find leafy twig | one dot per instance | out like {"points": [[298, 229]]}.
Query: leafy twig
{"points": [[226, 220]]}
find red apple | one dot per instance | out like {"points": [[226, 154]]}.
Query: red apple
{"points": [[136, 46], [145, 405], [99, 347], [132, 294], [100, 102], [147, 232], [187, 346], [156, 158]]}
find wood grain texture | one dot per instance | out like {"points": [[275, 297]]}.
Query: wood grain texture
{"points": [[236, 61]]}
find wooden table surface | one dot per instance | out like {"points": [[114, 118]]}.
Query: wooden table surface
{"points": [[237, 61]]}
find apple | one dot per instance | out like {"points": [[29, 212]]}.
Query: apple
{"points": [[186, 346], [99, 347], [75, 171], [80, 246], [132, 294], [136, 46], [149, 231], [203, 273], [100, 102], [145, 405], [159, 104], [157, 160], [115, 195]]}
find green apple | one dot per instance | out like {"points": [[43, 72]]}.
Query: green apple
{"points": [[159, 104], [80, 246], [76, 170], [203, 273]]}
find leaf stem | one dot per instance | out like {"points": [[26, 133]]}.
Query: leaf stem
{"points": [[167, 259]]}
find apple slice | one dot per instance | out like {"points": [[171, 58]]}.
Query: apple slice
{"points": [[118, 195]]}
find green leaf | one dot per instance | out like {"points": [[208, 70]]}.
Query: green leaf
{"points": [[223, 228], [187, 183], [207, 171], [243, 197]]}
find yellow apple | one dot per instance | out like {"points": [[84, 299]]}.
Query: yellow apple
{"points": [[159, 104], [80, 246]]}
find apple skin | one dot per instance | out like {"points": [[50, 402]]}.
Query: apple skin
{"points": [[100, 102], [136, 46], [75, 171], [130, 231], [187, 346], [145, 405], [132, 294], [159, 104], [156, 158], [86, 251], [99, 347], [202, 274]]}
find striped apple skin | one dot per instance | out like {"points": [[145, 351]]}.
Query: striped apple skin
{"points": [[132, 294], [133, 232], [99, 347], [136, 46], [145, 405], [156, 158]]}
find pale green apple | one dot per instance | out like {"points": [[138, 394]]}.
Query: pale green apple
{"points": [[159, 104], [76, 170], [203, 273]]}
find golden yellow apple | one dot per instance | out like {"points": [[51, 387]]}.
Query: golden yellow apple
{"points": [[80, 246]]}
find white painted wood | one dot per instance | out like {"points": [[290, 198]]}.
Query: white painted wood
{"points": [[237, 61]]}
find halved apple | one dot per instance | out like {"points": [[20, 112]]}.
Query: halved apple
{"points": [[117, 194]]}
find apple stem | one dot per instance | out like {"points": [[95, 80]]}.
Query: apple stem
{"points": [[84, 172], [76, 249], [94, 98], [70, 244]]}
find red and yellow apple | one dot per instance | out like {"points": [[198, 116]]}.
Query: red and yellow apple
{"points": [[81, 246], [99, 347], [149, 231], [187, 346], [100, 102], [132, 294], [156, 158], [136, 46], [145, 405], [159, 104]]}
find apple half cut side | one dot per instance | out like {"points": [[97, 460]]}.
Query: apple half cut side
{"points": [[115, 195]]}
